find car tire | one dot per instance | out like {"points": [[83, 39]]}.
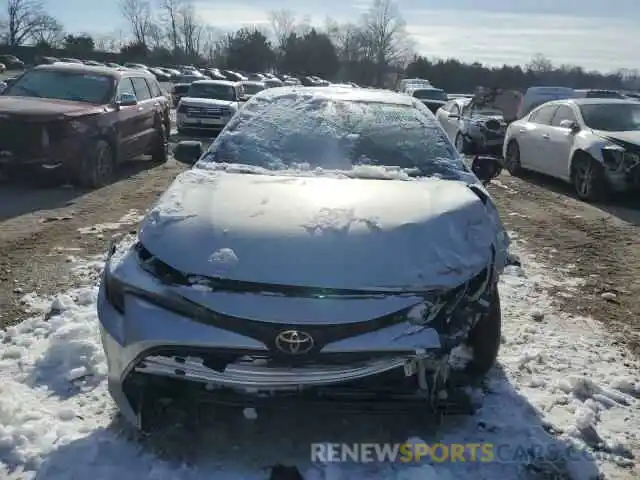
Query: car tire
{"points": [[587, 177], [484, 339], [462, 145], [512, 160], [160, 151], [98, 168]]}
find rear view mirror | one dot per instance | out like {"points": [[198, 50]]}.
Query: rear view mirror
{"points": [[570, 124], [486, 168], [126, 100], [188, 151]]}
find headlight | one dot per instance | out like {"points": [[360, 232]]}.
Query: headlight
{"points": [[616, 157], [478, 124], [78, 127], [425, 312], [114, 290], [438, 306]]}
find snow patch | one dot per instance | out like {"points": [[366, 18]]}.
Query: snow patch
{"points": [[132, 217], [564, 401]]}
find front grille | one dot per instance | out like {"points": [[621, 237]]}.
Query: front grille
{"points": [[206, 112], [20, 137]]}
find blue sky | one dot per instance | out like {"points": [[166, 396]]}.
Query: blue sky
{"points": [[597, 34]]}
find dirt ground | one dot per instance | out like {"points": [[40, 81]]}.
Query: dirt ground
{"points": [[597, 243], [600, 244]]}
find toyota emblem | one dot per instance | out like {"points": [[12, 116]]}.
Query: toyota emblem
{"points": [[294, 342]]}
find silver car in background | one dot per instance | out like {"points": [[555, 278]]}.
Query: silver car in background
{"points": [[329, 246]]}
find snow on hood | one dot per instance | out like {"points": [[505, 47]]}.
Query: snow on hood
{"points": [[194, 101], [321, 231]]}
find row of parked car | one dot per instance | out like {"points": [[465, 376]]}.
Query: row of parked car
{"points": [[589, 138], [78, 121]]}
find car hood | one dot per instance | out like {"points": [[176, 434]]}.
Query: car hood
{"points": [[194, 101], [323, 232], [629, 140], [25, 107]]}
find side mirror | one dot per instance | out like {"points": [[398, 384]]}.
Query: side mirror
{"points": [[486, 168], [188, 151], [570, 124], [245, 98], [126, 100]]}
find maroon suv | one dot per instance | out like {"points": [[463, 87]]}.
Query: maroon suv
{"points": [[81, 121]]}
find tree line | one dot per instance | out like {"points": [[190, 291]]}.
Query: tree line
{"points": [[375, 49]]}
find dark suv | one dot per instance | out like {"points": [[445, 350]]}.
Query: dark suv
{"points": [[81, 121]]}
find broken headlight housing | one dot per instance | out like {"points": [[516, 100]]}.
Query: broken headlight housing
{"points": [[618, 158], [467, 298]]}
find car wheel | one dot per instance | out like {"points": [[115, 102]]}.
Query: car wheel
{"points": [[98, 168], [512, 160], [462, 144], [160, 152], [484, 339], [587, 176]]}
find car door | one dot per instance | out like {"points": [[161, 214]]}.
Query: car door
{"points": [[450, 121], [161, 104], [126, 125], [145, 120], [442, 114], [561, 143], [534, 138]]}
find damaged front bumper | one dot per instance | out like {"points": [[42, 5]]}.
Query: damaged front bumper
{"points": [[622, 169], [223, 343]]}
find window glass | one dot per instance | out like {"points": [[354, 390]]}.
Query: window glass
{"points": [[126, 87], [335, 135], [563, 113], [612, 117], [64, 85], [141, 88], [545, 114]]}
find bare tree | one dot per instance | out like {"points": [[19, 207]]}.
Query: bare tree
{"points": [[156, 35], [23, 19], [210, 40], [48, 31], [171, 12], [190, 29], [283, 24], [137, 13], [385, 32], [540, 64]]}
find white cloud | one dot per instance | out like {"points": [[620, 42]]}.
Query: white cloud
{"points": [[497, 38]]}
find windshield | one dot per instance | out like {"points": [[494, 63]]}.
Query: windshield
{"points": [[300, 132], [189, 78], [252, 88], [612, 117], [213, 91], [430, 94], [64, 85]]}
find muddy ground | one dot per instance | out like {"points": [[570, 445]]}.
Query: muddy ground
{"points": [[600, 244]]}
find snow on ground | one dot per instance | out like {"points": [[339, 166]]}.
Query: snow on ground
{"points": [[560, 383], [132, 217]]}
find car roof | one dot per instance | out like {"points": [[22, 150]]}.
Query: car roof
{"points": [[593, 101], [355, 94], [82, 68], [252, 82], [227, 83]]}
